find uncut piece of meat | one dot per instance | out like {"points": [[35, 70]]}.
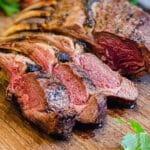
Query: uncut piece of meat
{"points": [[117, 31]]}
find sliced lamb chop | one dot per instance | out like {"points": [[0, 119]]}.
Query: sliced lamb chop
{"points": [[41, 53], [107, 81], [89, 104], [43, 100], [44, 49], [117, 31]]}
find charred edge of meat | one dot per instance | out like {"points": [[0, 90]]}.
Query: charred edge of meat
{"points": [[7, 50], [102, 111], [115, 102], [88, 81], [84, 76], [69, 121], [33, 68], [42, 74], [86, 127], [13, 101], [85, 45], [90, 19], [65, 124], [32, 14], [63, 57]]}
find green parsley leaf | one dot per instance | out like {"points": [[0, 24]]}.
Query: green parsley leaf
{"points": [[134, 1], [118, 120], [136, 126], [10, 7], [144, 141], [130, 142], [140, 140]]}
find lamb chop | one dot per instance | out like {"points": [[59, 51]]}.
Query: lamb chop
{"points": [[117, 31], [43, 100]]}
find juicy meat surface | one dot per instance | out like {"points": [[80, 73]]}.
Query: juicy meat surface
{"points": [[79, 87], [119, 53], [99, 23], [43, 100], [76, 87], [107, 81]]}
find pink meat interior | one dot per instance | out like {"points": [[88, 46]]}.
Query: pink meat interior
{"points": [[101, 75], [121, 55], [75, 86]]}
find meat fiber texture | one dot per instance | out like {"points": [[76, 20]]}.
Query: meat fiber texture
{"points": [[117, 31]]}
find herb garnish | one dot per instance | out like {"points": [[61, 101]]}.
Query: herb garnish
{"points": [[10, 7], [140, 140], [134, 1]]}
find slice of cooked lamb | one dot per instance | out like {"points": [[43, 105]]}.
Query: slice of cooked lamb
{"points": [[89, 104], [107, 81], [41, 53], [43, 100]]}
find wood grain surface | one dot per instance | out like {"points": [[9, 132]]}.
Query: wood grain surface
{"points": [[17, 134]]}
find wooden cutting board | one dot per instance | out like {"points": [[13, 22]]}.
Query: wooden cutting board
{"points": [[17, 134]]}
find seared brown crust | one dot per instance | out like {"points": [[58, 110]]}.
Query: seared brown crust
{"points": [[61, 18], [86, 19], [95, 110]]}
